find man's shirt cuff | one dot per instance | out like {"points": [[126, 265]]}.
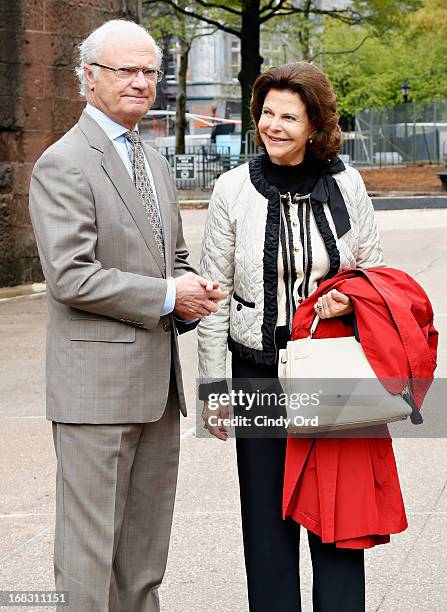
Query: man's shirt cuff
{"points": [[169, 302]]}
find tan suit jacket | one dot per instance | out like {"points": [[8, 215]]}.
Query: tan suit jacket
{"points": [[109, 352]]}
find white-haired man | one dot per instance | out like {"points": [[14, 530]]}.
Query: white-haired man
{"points": [[109, 234]]}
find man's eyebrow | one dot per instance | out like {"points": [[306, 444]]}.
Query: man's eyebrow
{"points": [[139, 67]]}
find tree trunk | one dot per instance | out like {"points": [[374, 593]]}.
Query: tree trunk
{"points": [[180, 102], [304, 38], [251, 60], [304, 32]]}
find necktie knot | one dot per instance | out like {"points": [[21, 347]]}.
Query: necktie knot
{"points": [[133, 137]]}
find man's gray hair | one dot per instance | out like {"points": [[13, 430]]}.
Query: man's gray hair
{"points": [[90, 48]]}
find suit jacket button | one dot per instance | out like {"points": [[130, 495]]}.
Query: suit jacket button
{"points": [[239, 307], [166, 326]]}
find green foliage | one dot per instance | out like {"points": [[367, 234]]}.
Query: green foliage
{"points": [[371, 77], [384, 15], [162, 21]]}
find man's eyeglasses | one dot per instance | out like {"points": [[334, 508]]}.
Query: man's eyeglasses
{"points": [[152, 75]]}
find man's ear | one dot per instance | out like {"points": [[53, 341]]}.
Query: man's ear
{"points": [[90, 78]]}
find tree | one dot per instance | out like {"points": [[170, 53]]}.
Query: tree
{"points": [[164, 25], [244, 18], [372, 75]]}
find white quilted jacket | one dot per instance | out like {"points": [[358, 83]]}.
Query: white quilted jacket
{"points": [[233, 253]]}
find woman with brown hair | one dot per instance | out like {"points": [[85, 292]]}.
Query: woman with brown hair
{"points": [[276, 228]]}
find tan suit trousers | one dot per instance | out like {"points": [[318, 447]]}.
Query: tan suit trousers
{"points": [[114, 503]]}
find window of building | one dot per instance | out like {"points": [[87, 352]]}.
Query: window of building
{"points": [[170, 60], [235, 57], [273, 52]]}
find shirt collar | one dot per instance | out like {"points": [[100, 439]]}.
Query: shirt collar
{"points": [[112, 129]]}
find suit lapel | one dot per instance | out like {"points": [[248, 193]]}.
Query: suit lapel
{"points": [[163, 201], [117, 173]]}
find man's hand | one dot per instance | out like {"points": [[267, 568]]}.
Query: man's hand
{"points": [[216, 427], [196, 297], [207, 284], [333, 304]]}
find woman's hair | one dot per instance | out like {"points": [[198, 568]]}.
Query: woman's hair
{"points": [[318, 95]]}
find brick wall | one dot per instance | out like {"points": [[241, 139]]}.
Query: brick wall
{"points": [[38, 103]]}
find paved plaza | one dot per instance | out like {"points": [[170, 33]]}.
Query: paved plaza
{"points": [[205, 571]]}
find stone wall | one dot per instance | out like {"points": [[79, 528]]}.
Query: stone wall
{"points": [[38, 103]]}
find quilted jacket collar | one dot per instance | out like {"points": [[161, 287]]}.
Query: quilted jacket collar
{"points": [[326, 189]]}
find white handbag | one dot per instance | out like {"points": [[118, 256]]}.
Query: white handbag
{"points": [[330, 385]]}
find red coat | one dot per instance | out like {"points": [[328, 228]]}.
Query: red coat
{"points": [[346, 490]]}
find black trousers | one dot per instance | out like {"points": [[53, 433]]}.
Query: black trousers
{"points": [[271, 544]]}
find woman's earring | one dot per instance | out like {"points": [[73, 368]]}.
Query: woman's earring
{"points": [[311, 140]]}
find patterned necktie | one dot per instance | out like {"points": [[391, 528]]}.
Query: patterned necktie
{"points": [[144, 188]]}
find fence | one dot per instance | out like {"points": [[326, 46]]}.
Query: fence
{"points": [[408, 133], [210, 162]]}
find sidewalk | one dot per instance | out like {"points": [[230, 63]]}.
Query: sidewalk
{"points": [[7, 293], [205, 571]]}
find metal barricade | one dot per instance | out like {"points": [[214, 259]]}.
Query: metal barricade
{"points": [[210, 162]]}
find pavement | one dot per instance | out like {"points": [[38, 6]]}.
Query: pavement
{"points": [[205, 570]]}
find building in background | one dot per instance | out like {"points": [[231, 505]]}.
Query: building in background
{"points": [[213, 88]]}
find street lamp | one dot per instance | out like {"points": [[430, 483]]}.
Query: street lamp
{"points": [[405, 87]]}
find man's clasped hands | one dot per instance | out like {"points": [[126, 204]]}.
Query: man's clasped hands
{"points": [[197, 297]]}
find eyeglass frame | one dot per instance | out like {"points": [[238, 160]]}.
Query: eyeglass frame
{"points": [[136, 70]]}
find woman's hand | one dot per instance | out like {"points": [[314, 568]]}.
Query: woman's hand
{"points": [[213, 418], [333, 304]]}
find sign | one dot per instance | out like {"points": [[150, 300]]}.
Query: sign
{"points": [[185, 167]]}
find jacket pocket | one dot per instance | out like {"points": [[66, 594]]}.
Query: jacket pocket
{"points": [[98, 330], [243, 302]]}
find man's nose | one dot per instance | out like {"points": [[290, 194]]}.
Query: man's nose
{"points": [[140, 81]]}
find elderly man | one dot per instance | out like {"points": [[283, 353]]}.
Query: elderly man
{"points": [[107, 224]]}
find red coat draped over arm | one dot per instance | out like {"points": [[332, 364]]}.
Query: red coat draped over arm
{"points": [[346, 490]]}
